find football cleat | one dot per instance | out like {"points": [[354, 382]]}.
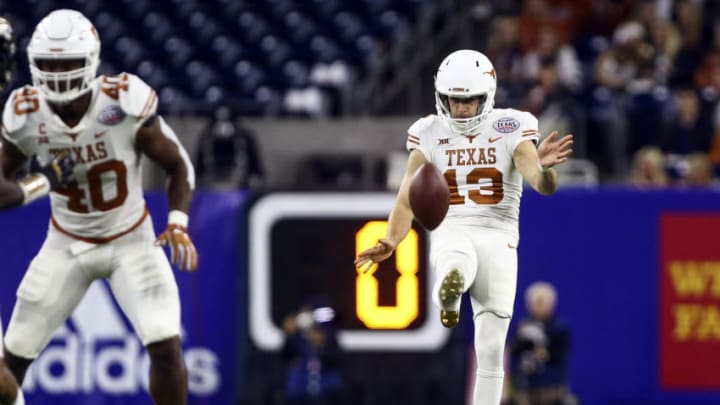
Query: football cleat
{"points": [[451, 290]]}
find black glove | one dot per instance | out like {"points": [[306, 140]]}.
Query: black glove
{"points": [[59, 171]]}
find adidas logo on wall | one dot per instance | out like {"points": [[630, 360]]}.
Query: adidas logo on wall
{"points": [[96, 349]]}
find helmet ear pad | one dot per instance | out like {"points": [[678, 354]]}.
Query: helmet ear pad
{"points": [[64, 35]]}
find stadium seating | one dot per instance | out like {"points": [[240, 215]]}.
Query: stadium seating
{"points": [[252, 55]]}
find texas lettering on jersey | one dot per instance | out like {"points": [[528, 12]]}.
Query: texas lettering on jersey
{"points": [[485, 187], [87, 154], [470, 156], [106, 198]]}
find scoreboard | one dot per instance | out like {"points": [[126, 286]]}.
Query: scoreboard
{"points": [[302, 245]]}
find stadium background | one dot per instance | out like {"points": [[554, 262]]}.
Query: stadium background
{"points": [[315, 96]]}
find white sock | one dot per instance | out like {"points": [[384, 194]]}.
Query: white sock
{"points": [[490, 334], [488, 387]]}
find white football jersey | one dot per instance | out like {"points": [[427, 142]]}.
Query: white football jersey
{"points": [[106, 198], [485, 186]]}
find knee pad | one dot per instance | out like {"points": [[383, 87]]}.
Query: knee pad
{"points": [[490, 334]]}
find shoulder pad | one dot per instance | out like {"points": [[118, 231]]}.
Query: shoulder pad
{"points": [[20, 103], [422, 124], [527, 120], [135, 97]]}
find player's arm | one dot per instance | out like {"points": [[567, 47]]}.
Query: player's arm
{"points": [[11, 195], [400, 219], [401, 216], [159, 143], [536, 165], [39, 183]]}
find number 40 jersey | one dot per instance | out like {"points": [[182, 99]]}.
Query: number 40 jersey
{"points": [[485, 187], [106, 198]]}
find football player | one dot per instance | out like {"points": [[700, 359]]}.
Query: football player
{"points": [[51, 176], [99, 228], [484, 153], [44, 178]]}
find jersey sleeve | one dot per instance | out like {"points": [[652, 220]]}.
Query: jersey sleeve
{"points": [[15, 117], [139, 101], [418, 135], [528, 130]]}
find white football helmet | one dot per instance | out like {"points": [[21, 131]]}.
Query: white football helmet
{"points": [[64, 34], [462, 74]]}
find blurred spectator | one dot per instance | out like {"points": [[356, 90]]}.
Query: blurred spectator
{"points": [[715, 147], [687, 17], [507, 56], [565, 59], [621, 63], [666, 40], [644, 97], [625, 65], [227, 155], [312, 357], [605, 16], [699, 171], [688, 129], [539, 351], [648, 168], [707, 75], [568, 16], [556, 108]]}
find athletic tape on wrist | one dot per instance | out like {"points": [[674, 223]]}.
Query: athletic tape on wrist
{"points": [[33, 187], [178, 217]]}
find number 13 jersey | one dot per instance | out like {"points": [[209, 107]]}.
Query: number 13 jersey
{"points": [[485, 187], [106, 198]]}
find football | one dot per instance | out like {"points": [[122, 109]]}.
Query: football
{"points": [[429, 196]]}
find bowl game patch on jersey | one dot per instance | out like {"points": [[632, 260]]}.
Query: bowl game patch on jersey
{"points": [[111, 115], [506, 125]]}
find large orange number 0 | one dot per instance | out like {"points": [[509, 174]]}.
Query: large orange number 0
{"points": [[76, 195], [495, 187], [367, 288]]}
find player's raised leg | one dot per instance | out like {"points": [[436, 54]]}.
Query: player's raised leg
{"points": [[450, 290], [455, 265]]}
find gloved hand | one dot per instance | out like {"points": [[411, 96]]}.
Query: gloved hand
{"points": [[59, 171], [182, 251]]}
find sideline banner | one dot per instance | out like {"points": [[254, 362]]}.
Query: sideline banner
{"points": [[95, 358], [638, 280], [689, 301]]}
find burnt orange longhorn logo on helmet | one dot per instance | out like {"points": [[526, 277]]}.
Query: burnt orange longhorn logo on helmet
{"points": [[491, 73]]}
